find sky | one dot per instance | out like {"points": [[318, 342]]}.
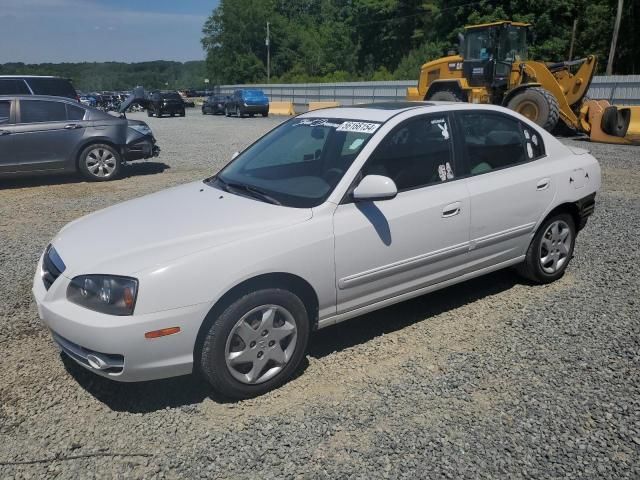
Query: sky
{"points": [[53, 31]]}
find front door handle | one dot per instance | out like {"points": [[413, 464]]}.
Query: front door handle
{"points": [[5, 132], [451, 210], [543, 184], [72, 126]]}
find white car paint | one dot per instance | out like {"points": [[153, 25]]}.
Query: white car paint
{"points": [[191, 244]]}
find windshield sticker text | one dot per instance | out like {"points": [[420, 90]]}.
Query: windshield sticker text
{"points": [[362, 127], [317, 122]]}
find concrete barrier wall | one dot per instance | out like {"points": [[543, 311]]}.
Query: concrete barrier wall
{"points": [[618, 89]]}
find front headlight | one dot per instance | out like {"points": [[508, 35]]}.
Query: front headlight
{"points": [[142, 129], [104, 293]]}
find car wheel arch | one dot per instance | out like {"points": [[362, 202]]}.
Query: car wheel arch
{"points": [[569, 208], [286, 281]]}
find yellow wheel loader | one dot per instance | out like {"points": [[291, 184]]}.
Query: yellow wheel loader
{"points": [[492, 67]]}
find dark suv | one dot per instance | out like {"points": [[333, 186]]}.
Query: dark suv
{"points": [[37, 85], [214, 104], [247, 102], [45, 134], [161, 103]]}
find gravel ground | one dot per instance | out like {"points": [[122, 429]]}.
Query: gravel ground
{"points": [[492, 378]]}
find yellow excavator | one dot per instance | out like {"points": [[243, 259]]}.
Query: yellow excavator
{"points": [[492, 67]]}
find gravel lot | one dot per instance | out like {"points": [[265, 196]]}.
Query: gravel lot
{"points": [[493, 378]]}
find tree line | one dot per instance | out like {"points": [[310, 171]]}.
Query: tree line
{"points": [[342, 40], [88, 77]]}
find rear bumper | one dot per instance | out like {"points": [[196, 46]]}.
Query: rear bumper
{"points": [[586, 207], [255, 109]]}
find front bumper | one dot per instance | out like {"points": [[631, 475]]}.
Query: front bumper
{"points": [[119, 341], [141, 148]]}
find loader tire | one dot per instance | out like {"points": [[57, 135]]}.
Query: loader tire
{"points": [[538, 105], [615, 122], [447, 96]]}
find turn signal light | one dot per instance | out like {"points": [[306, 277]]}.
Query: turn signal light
{"points": [[162, 333]]}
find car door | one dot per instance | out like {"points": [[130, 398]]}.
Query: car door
{"points": [[47, 133], [509, 186], [7, 153], [420, 237]]}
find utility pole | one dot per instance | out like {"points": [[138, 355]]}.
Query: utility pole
{"points": [[614, 40], [573, 38], [268, 55]]}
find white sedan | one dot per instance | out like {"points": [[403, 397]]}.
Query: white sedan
{"points": [[330, 215]]}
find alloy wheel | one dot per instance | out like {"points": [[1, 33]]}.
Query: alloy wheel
{"points": [[101, 162]]}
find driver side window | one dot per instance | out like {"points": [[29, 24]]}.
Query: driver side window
{"points": [[415, 154]]}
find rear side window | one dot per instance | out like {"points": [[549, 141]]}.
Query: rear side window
{"points": [[75, 113], [493, 141], [37, 111], [13, 86], [58, 87], [5, 111], [415, 154]]}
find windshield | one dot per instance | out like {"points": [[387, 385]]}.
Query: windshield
{"points": [[513, 44], [478, 44], [171, 96], [298, 163]]}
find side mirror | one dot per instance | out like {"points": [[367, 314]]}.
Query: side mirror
{"points": [[235, 155], [375, 187]]}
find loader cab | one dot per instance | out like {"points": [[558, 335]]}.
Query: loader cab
{"points": [[490, 50]]}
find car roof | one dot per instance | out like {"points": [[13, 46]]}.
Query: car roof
{"points": [[31, 76], [39, 97], [383, 111]]}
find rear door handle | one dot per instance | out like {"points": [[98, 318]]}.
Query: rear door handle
{"points": [[5, 132], [72, 126], [543, 184], [451, 210]]}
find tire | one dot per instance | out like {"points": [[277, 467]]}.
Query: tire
{"points": [[238, 112], [172, 114], [615, 122], [544, 245], [260, 373], [149, 113], [265, 114], [182, 113], [447, 96], [252, 115], [538, 105], [159, 113], [92, 155], [226, 112]]}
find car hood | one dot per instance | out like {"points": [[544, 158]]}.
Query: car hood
{"points": [[153, 230]]}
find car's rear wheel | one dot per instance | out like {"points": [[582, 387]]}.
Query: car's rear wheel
{"points": [[256, 344], [100, 162], [182, 113], [149, 113], [265, 114], [550, 250], [226, 112], [158, 113]]}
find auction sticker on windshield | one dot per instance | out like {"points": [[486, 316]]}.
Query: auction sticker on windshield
{"points": [[362, 127]]}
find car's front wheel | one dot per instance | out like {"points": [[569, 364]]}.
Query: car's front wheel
{"points": [[550, 250], [256, 344], [100, 162]]}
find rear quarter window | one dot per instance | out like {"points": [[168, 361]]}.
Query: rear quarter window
{"points": [[58, 87], [13, 86]]}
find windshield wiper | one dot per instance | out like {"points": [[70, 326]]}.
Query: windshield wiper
{"points": [[255, 192]]}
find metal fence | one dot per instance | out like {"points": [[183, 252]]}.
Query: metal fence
{"points": [[618, 89]]}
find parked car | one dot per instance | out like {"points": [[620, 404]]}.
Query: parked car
{"points": [[331, 215], [45, 134], [87, 100], [37, 85], [162, 103], [214, 104], [247, 102]]}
